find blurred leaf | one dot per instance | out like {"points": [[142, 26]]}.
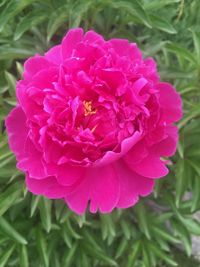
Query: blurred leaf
{"points": [[23, 256], [162, 24], [45, 213], [9, 230], [42, 247], [9, 196], [4, 257]]}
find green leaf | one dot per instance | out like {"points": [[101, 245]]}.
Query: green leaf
{"points": [[42, 247], [142, 220], [24, 256], [11, 9], [45, 213], [31, 19], [4, 257], [177, 49], [182, 171], [196, 194], [162, 24], [9, 196], [134, 8], [68, 256], [10, 231], [196, 40], [11, 82], [134, 253], [162, 255]]}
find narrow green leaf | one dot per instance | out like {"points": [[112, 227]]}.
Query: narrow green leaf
{"points": [[31, 19], [134, 8], [4, 257], [9, 196], [162, 255], [34, 204], [42, 247], [143, 221], [134, 253], [181, 51], [24, 256], [11, 82], [162, 24], [196, 40], [9, 230], [45, 213], [68, 256]]}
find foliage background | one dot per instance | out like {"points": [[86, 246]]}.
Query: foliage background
{"points": [[157, 232]]}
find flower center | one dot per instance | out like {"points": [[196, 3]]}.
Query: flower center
{"points": [[88, 109]]}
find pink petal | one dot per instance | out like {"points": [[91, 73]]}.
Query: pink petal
{"points": [[151, 167], [132, 185], [105, 189], [126, 145], [100, 186], [33, 65], [68, 175], [137, 153], [31, 161], [54, 55], [47, 187], [170, 101], [69, 42], [121, 46], [167, 147], [92, 37], [17, 130]]}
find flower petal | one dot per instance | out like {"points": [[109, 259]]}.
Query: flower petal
{"points": [[171, 102], [100, 186], [132, 185], [151, 166], [17, 130], [69, 42], [54, 55], [47, 187]]}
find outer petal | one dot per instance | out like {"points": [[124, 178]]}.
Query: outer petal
{"points": [[17, 130], [68, 175], [92, 37], [31, 161], [69, 42], [47, 187], [167, 147], [34, 65], [132, 185], [151, 166], [100, 186], [54, 55], [171, 103]]}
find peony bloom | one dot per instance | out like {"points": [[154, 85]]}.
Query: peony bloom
{"points": [[93, 122]]}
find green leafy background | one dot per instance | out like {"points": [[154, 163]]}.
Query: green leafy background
{"points": [[156, 232]]}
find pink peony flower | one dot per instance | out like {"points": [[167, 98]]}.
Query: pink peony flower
{"points": [[92, 123]]}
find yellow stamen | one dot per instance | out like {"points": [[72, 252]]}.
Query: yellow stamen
{"points": [[88, 109]]}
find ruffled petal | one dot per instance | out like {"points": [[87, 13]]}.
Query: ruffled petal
{"points": [[100, 186], [170, 102], [32, 162], [68, 175], [151, 167], [69, 42], [167, 147], [54, 55], [17, 130], [33, 65], [48, 187], [132, 185]]}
